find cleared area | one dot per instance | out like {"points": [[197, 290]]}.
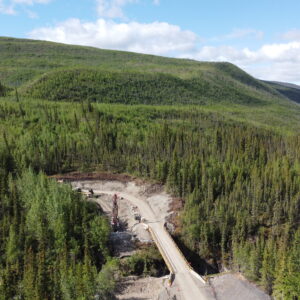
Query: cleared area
{"points": [[134, 288], [235, 286], [153, 204]]}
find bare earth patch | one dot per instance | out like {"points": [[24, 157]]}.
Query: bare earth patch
{"points": [[235, 286], [135, 288], [223, 287], [131, 229]]}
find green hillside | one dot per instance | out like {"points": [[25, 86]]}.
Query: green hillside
{"points": [[136, 88], [290, 91], [46, 70], [22, 60], [185, 81]]}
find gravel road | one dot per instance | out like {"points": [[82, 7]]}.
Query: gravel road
{"points": [[154, 207]]}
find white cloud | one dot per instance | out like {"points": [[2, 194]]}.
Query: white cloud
{"points": [[279, 62], [284, 52], [31, 14], [293, 34], [112, 8], [276, 71], [154, 38], [240, 34], [30, 2], [8, 7]]}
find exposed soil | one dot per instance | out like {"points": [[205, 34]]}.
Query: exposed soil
{"points": [[135, 288], [133, 233], [236, 286], [79, 176]]}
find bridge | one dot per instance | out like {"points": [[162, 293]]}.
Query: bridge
{"points": [[189, 285]]}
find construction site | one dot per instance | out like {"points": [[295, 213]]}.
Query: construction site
{"points": [[139, 213]]}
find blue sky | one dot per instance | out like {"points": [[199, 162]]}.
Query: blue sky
{"points": [[262, 37]]}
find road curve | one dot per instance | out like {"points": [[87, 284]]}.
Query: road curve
{"points": [[188, 287]]}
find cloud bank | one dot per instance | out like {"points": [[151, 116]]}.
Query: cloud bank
{"points": [[112, 8], [276, 62], [158, 38]]}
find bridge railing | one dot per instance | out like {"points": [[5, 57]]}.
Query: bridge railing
{"points": [[185, 260], [161, 250]]}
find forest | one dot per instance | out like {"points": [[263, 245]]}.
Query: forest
{"points": [[135, 88], [53, 244], [240, 184], [223, 142]]}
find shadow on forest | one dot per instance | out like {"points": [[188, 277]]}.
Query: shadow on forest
{"points": [[198, 264]]}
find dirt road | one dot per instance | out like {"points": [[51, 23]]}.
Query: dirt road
{"points": [[188, 286]]}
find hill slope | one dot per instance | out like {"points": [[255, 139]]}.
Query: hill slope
{"points": [[291, 91], [46, 70], [25, 60], [78, 84]]}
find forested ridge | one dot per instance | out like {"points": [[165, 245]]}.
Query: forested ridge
{"points": [[46, 70], [240, 183], [57, 71]]}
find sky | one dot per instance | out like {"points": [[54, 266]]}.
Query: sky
{"points": [[260, 36]]}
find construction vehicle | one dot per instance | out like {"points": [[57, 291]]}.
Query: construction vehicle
{"points": [[114, 216], [90, 193], [135, 213]]}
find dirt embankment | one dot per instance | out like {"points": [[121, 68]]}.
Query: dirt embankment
{"points": [[79, 176], [134, 288]]}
